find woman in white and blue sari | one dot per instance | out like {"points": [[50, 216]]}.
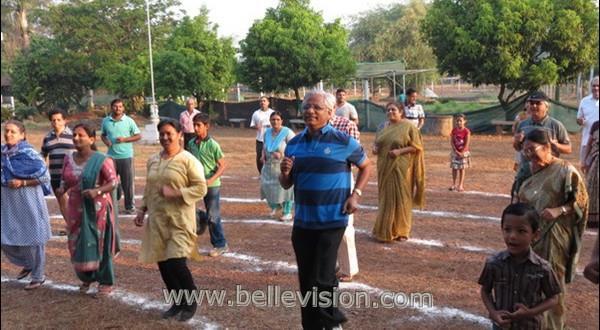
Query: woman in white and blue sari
{"points": [[275, 140]]}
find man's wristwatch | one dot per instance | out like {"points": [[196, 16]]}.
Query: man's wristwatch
{"points": [[357, 191], [563, 210]]}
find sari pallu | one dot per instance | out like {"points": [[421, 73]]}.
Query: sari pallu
{"points": [[94, 240], [401, 181], [560, 242]]}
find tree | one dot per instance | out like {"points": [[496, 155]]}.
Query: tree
{"points": [[292, 47], [16, 24], [110, 36], [195, 61], [516, 44], [393, 33], [45, 75]]}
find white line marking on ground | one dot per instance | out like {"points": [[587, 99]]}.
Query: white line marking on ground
{"points": [[128, 298], [442, 312]]}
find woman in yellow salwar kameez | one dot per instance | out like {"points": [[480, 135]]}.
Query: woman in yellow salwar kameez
{"points": [[557, 191], [175, 182], [400, 175]]}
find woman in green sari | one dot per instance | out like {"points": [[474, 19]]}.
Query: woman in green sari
{"points": [[89, 178], [557, 191], [400, 175]]}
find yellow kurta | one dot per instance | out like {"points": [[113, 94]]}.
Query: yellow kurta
{"points": [[401, 180], [170, 231], [554, 186]]}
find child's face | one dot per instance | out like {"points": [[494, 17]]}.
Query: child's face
{"points": [[518, 234], [201, 129], [460, 122], [58, 122]]}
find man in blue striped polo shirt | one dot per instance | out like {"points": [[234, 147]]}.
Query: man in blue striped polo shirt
{"points": [[56, 144], [317, 163]]}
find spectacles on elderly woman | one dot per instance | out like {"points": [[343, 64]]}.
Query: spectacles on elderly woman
{"points": [[531, 151]]}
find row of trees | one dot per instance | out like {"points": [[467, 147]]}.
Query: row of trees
{"points": [[103, 44], [81, 45]]}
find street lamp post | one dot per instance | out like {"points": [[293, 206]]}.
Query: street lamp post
{"points": [[150, 134]]}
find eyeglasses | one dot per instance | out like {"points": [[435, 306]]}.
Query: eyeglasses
{"points": [[535, 102], [315, 107], [531, 151]]}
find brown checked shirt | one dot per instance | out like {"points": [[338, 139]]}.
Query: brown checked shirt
{"points": [[529, 283]]}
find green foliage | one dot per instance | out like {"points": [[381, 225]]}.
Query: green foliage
{"points": [[516, 44], [195, 61], [110, 38], [7, 113], [22, 111], [391, 34], [292, 47], [46, 75]]}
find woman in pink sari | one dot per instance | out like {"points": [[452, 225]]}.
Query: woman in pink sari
{"points": [[89, 178]]}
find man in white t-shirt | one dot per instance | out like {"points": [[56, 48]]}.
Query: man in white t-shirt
{"points": [[343, 108], [260, 121], [588, 114], [186, 120], [413, 111]]}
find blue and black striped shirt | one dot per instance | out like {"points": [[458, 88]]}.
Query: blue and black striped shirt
{"points": [[55, 148], [321, 176]]}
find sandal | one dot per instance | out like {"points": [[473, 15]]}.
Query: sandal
{"points": [[23, 273], [460, 189], [103, 291], [453, 188], [84, 287], [345, 278], [34, 285], [401, 238]]}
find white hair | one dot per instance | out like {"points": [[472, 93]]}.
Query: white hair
{"points": [[328, 98], [191, 98], [594, 81]]}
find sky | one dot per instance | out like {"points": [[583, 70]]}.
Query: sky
{"points": [[234, 17]]}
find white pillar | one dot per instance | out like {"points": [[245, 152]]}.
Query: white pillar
{"points": [[238, 92], [365, 89]]}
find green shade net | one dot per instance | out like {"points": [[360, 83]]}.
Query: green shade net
{"points": [[478, 121], [370, 114]]}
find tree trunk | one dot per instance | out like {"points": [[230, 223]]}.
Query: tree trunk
{"points": [[298, 103], [23, 26], [557, 92]]}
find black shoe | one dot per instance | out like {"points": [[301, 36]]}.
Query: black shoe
{"points": [[171, 312], [187, 313]]}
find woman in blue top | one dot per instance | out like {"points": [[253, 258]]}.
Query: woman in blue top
{"points": [[25, 225], [275, 140]]}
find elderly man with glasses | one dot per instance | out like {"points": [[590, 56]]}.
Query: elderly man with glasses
{"points": [[317, 163], [538, 105]]}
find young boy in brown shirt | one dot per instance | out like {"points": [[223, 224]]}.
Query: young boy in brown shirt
{"points": [[517, 285]]}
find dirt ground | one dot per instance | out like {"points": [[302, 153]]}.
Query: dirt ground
{"points": [[451, 238]]}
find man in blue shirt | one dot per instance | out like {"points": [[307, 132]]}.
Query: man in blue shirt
{"points": [[317, 163], [118, 133]]}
